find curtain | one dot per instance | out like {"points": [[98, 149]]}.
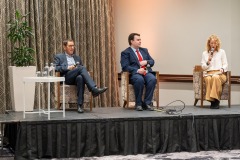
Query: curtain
{"points": [[126, 136], [88, 22]]}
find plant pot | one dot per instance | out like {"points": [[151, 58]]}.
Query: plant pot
{"points": [[16, 75]]}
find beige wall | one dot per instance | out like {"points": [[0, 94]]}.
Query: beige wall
{"points": [[175, 32]]}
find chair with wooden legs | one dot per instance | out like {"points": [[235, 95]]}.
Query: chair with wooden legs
{"points": [[199, 86], [128, 91], [71, 95]]}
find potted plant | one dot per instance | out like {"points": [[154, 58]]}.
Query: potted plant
{"points": [[22, 57]]}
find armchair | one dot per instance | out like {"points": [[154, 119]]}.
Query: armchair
{"points": [[200, 88], [128, 91], [71, 94]]}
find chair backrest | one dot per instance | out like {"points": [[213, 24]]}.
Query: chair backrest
{"points": [[198, 82], [124, 85], [198, 68], [226, 92]]}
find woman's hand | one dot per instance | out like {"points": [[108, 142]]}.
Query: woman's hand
{"points": [[222, 70]]}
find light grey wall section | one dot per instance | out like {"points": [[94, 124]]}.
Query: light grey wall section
{"points": [[235, 37], [175, 32]]}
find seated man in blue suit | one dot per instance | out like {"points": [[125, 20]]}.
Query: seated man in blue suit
{"points": [[138, 62], [70, 66]]}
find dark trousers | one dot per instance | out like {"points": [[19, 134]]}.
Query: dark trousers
{"points": [[138, 81], [80, 76]]}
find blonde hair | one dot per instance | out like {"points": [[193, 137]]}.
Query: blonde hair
{"points": [[216, 39]]}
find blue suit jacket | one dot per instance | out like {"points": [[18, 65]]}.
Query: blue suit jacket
{"points": [[60, 60], [130, 62]]}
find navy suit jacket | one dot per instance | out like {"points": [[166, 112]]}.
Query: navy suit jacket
{"points": [[60, 60], [130, 62]]}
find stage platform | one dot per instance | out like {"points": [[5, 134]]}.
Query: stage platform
{"points": [[119, 131]]}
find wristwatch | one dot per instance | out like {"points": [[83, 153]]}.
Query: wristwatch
{"points": [[148, 65]]}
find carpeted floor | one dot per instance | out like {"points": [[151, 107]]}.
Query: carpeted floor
{"points": [[203, 155], [6, 154]]}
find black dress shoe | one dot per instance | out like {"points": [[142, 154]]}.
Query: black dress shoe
{"points": [[80, 108], [149, 107], [215, 104], [215, 107], [212, 104], [96, 91], [139, 108]]}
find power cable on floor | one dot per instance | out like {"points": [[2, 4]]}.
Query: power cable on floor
{"points": [[172, 111]]}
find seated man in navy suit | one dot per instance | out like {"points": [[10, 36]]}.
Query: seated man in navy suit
{"points": [[70, 66], [137, 61]]}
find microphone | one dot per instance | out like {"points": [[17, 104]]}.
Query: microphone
{"points": [[210, 57], [212, 50], [77, 63]]}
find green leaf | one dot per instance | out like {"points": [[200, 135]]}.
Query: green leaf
{"points": [[19, 33]]}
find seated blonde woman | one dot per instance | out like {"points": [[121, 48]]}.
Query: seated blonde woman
{"points": [[214, 63]]}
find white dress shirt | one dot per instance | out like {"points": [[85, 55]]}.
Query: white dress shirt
{"points": [[219, 61], [70, 60]]}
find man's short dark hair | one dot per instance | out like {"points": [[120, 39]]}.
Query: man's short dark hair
{"points": [[131, 37], [65, 42]]}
